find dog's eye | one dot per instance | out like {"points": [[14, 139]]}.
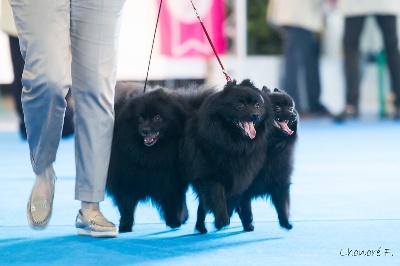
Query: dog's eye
{"points": [[278, 108], [239, 106], [257, 105], [140, 119], [157, 118]]}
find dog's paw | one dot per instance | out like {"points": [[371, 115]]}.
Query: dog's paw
{"points": [[220, 223], [286, 225], [173, 222], [248, 227], [175, 225], [201, 229], [124, 228]]}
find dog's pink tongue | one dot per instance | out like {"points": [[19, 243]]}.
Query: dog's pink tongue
{"points": [[250, 130], [149, 138], [285, 127]]}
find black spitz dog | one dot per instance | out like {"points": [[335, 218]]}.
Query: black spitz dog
{"points": [[144, 160], [275, 177], [224, 148]]}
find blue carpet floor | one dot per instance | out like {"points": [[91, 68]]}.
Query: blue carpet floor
{"points": [[345, 210]]}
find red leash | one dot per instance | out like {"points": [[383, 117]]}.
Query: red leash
{"points": [[228, 78]]}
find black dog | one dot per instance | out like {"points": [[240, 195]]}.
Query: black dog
{"points": [[144, 160], [275, 177], [223, 148]]}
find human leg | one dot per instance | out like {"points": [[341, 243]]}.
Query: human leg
{"points": [[292, 54], [312, 73], [352, 31], [43, 28], [351, 44], [388, 26], [94, 37]]}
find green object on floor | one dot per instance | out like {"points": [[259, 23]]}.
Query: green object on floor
{"points": [[381, 60]]}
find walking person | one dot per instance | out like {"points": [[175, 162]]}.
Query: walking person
{"points": [[69, 44], [355, 12], [301, 22]]}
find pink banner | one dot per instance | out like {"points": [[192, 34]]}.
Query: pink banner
{"points": [[181, 31]]}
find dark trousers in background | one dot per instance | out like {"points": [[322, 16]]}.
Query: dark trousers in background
{"points": [[351, 43], [18, 67], [301, 57]]}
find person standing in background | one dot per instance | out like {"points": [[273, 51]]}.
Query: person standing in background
{"points": [[69, 44], [300, 21], [355, 12], [8, 26]]}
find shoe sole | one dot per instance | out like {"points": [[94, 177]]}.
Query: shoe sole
{"points": [[84, 232]]}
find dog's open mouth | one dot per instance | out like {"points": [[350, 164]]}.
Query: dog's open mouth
{"points": [[283, 125], [247, 128], [151, 139]]}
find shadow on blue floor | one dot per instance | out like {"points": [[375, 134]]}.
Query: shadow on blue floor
{"points": [[73, 249]]}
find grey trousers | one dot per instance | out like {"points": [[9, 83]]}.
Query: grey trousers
{"points": [[70, 44]]}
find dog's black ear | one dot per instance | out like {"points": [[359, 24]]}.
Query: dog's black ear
{"points": [[230, 84], [247, 83], [265, 89], [277, 90], [160, 92]]}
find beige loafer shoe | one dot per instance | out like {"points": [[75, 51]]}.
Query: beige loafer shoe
{"points": [[97, 226], [39, 209]]}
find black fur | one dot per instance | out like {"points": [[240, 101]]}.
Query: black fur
{"points": [[192, 97], [274, 179], [145, 166], [221, 160]]}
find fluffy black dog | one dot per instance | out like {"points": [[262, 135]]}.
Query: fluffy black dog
{"points": [[275, 177], [144, 160], [224, 148]]}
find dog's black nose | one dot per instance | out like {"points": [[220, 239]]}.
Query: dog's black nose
{"points": [[255, 116], [293, 116], [145, 131]]}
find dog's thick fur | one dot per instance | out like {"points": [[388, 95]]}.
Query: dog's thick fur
{"points": [[144, 160], [274, 179], [221, 159]]}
